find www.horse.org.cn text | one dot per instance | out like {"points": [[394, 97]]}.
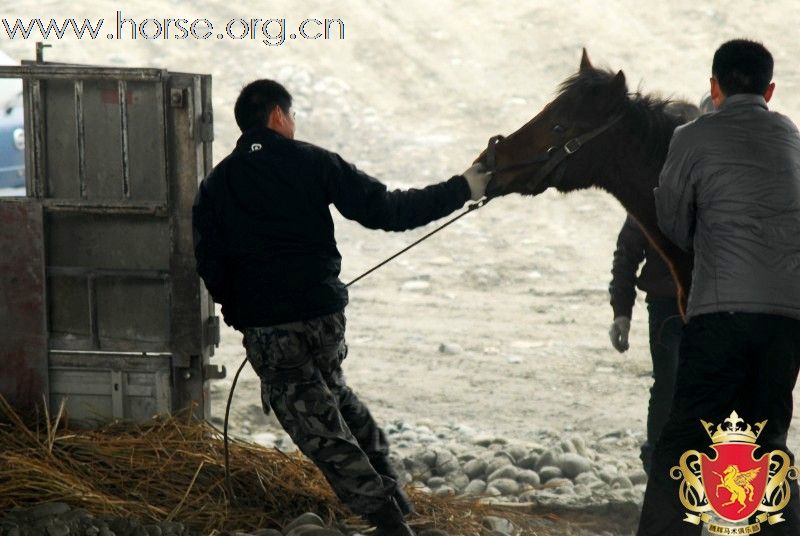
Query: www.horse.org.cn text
{"points": [[269, 31]]}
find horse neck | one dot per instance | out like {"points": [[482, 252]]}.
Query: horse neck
{"points": [[632, 182]]}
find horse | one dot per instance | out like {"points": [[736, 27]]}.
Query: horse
{"points": [[596, 134]]}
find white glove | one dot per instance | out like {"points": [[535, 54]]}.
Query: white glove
{"points": [[477, 179], [619, 331]]}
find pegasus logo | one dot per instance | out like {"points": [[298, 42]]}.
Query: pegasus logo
{"points": [[255, 147]]}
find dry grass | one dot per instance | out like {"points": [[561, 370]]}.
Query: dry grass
{"points": [[172, 469]]}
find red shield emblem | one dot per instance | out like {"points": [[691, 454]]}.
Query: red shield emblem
{"points": [[734, 481]]}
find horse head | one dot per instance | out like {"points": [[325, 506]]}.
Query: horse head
{"points": [[557, 146]]}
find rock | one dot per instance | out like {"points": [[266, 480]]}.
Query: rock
{"points": [[529, 497], [517, 452], [506, 486], [638, 477], [94, 531], [587, 478], [415, 285], [436, 482], [492, 491], [499, 524], [313, 530], [458, 480], [549, 457], [528, 462], [527, 476], [445, 462], [432, 532], [266, 532], [450, 348], [621, 482], [153, 530], [486, 440], [173, 527], [105, 531], [502, 459], [580, 446], [507, 471], [475, 487], [572, 464], [475, 468], [559, 482], [444, 491], [57, 528], [47, 509], [309, 518], [549, 472]]}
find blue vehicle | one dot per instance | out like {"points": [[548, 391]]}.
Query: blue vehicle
{"points": [[12, 144]]}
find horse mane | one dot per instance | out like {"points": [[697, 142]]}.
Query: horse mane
{"points": [[652, 117]]}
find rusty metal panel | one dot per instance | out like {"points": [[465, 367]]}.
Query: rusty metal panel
{"points": [[107, 241], [23, 330], [61, 162], [101, 386], [103, 140], [146, 145]]}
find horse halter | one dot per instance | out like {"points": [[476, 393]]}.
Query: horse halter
{"points": [[552, 157]]}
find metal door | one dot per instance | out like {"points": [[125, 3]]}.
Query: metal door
{"points": [[113, 160]]}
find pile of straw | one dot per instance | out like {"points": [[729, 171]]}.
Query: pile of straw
{"points": [[172, 469]]}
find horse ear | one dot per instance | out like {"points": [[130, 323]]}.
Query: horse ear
{"points": [[585, 63], [619, 82]]}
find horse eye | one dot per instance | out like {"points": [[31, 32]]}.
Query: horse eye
{"points": [[558, 129]]}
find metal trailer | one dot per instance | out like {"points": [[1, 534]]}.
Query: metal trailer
{"points": [[100, 304]]}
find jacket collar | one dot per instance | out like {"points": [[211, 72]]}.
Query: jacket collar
{"points": [[259, 134], [744, 99]]}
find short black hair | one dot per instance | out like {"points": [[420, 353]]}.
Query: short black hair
{"points": [[742, 66], [257, 99]]}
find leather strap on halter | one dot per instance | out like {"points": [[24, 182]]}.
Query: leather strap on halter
{"points": [[552, 157]]}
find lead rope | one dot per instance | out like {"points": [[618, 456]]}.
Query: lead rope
{"points": [[471, 208]]}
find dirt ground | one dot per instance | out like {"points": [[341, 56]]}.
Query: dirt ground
{"points": [[411, 95]]}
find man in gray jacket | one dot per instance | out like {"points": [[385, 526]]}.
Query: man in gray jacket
{"points": [[730, 191]]}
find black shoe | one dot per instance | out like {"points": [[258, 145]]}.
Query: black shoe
{"points": [[389, 521]]}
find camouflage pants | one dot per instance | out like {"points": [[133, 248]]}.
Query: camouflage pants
{"points": [[299, 364]]}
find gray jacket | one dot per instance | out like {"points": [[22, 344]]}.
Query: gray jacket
{"points": [[730, 190]]}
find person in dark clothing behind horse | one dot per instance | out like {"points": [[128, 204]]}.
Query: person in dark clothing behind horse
{"points": [[730, 191], [265, 248], [664, 317]]}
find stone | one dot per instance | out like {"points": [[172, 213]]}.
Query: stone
{"points": [[57, 528], [444, 491], [528, 462], [621, 482], [549, 457], [572, 464], [529, 497], [432, 532], [458, 480], [309, 518], [638, 477], [500, 460], [587, 478], [559, 482], [499, 524], [581, 447], [313, 530], [507, 471], [48, 509], [475, 487], [518, 452], [153, 530], [93, 531], [475, 468], [549, 472], [567, 446], [506, 486], [527, 476], [266, 532], [486, 440], [450, 348], [436, 482], [492, 491], [445, 462]]}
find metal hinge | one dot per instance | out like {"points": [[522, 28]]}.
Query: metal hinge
{"points": [[212, 330], [207, 126]]}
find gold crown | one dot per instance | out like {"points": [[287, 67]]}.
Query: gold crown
{"points": [[733, 431]]}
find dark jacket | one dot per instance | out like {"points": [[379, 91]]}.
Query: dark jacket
{"points": [[264, 237], [655, 279], [730, 190]]}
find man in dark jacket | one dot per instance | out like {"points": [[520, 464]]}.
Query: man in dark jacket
{"points": [[665, 320], [730, 191], [265, 248]]}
